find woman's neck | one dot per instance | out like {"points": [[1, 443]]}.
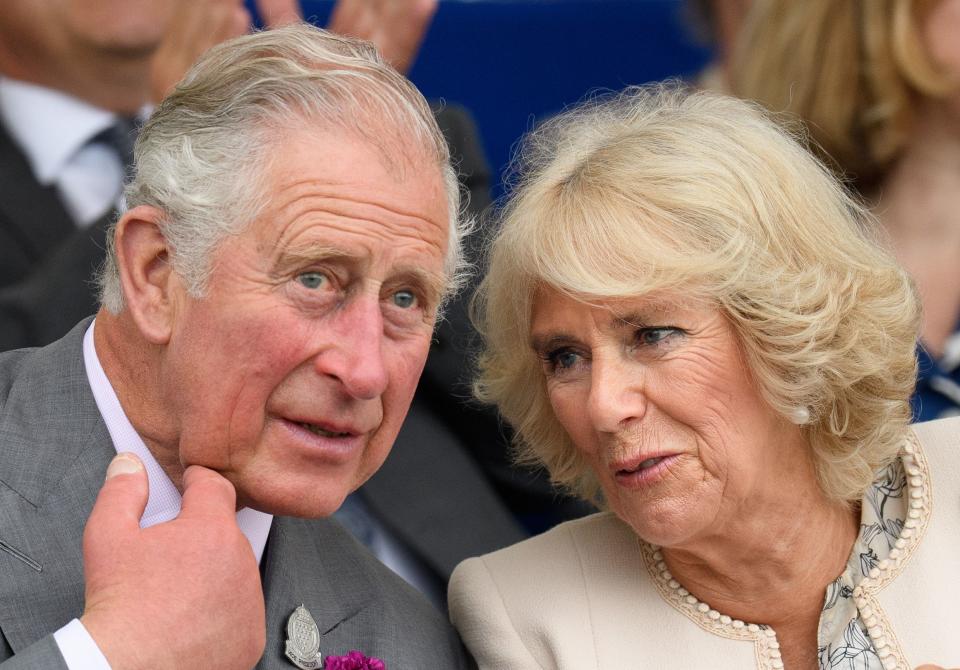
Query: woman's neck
{"points": [[771, 555], [919, 206], [926, 173]]}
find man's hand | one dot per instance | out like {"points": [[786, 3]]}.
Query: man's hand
{"points": [[195, 26], [276, 13], [397, 27], [180, 594]]}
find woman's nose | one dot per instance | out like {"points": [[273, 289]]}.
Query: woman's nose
{"points": [[617, 396]]}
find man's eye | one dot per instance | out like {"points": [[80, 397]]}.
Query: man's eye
{"points": [[312, 279], [404, 299]]}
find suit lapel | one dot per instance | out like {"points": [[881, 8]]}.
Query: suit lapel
{"points": [[306, 562], [54, 450]]}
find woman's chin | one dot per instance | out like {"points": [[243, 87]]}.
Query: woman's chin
{"points": [[666, 523]]}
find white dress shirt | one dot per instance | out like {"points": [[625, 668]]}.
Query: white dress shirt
{"points": [[163, 504], [53, 129]]}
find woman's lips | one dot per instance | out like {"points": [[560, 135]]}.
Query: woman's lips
{"points": [[644, 472]]}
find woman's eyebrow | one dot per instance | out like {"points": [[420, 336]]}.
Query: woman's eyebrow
{"points": [[547, 341], [643, 317]]}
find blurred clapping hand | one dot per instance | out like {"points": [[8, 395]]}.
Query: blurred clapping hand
{"points": [[397, 27], [195, 26]]}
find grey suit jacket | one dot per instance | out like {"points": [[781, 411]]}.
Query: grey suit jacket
{"points": [[54, 450]]}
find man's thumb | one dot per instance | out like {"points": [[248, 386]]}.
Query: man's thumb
{"points": [[121, 501]]}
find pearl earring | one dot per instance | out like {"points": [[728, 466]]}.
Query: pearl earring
{"points": [[799, 415]]}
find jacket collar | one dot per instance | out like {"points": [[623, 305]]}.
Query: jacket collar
{"points": [[49, 419]]}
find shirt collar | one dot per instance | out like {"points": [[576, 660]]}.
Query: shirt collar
{"points": [[164, 500], [50, 126]]}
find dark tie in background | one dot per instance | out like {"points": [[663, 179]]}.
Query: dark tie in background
{"points": [[356, 518], [120, 137]]}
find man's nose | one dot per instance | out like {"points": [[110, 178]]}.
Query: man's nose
{"points": [[617, 394], [356, 357]]}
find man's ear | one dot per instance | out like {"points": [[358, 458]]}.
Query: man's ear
{"points": [[151, 288]]}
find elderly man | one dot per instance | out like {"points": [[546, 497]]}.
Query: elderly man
{"points": [[268, 303], [76, 79]]}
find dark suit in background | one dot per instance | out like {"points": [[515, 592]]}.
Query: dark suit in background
{"points": [[46, 261], [55, 450]]}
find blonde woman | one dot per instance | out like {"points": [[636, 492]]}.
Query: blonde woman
{"points": [[878, 84], [687, 321]]}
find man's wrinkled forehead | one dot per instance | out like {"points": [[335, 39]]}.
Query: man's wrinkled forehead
{"points": [[402, 150], [329, 183]]}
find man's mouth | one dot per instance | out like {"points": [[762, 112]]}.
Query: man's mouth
{"points": [[322, 432]]}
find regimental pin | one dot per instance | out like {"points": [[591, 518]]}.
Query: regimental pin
{"points": [[303, 640]]}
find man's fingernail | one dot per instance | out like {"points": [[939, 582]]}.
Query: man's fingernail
{"points": [[124, 464]]}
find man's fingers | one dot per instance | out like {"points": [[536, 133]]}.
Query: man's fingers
{"points": [[276, 13], [196, 26], [242, 21], [397, 27], [121, 501], [206, 493], [223, 21]]}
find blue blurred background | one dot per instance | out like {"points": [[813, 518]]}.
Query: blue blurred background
{"points": [[513, 62]]}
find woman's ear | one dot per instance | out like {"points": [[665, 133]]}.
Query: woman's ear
{"points": [[151, 287]]}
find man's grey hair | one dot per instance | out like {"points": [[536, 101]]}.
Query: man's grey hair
{"points": [[200, 156]]}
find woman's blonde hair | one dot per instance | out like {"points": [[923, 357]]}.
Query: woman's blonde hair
{"points": [[851, 69], [661, 189]]}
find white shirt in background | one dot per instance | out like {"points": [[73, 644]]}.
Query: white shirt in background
{"points": [[53, 129]]}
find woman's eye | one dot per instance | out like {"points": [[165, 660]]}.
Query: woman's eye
{"points": [[404, 299], [651, 336], [561, 359], [312, 280]]}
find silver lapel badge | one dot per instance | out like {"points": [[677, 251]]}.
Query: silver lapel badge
{"points": [[303, 640]]}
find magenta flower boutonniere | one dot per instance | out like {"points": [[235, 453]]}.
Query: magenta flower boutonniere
{"points": [[353, 661]]}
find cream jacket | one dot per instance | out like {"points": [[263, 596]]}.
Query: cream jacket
{"points": [[590, 594]]}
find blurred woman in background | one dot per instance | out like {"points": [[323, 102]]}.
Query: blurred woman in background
{"points": [[878, 85]]}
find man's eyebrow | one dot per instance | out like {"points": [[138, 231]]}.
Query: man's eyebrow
{"points": [[296, 256]]}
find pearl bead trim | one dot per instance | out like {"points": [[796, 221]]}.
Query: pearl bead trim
{"points": [[920, 508], [765, 638], [864, 595]]}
